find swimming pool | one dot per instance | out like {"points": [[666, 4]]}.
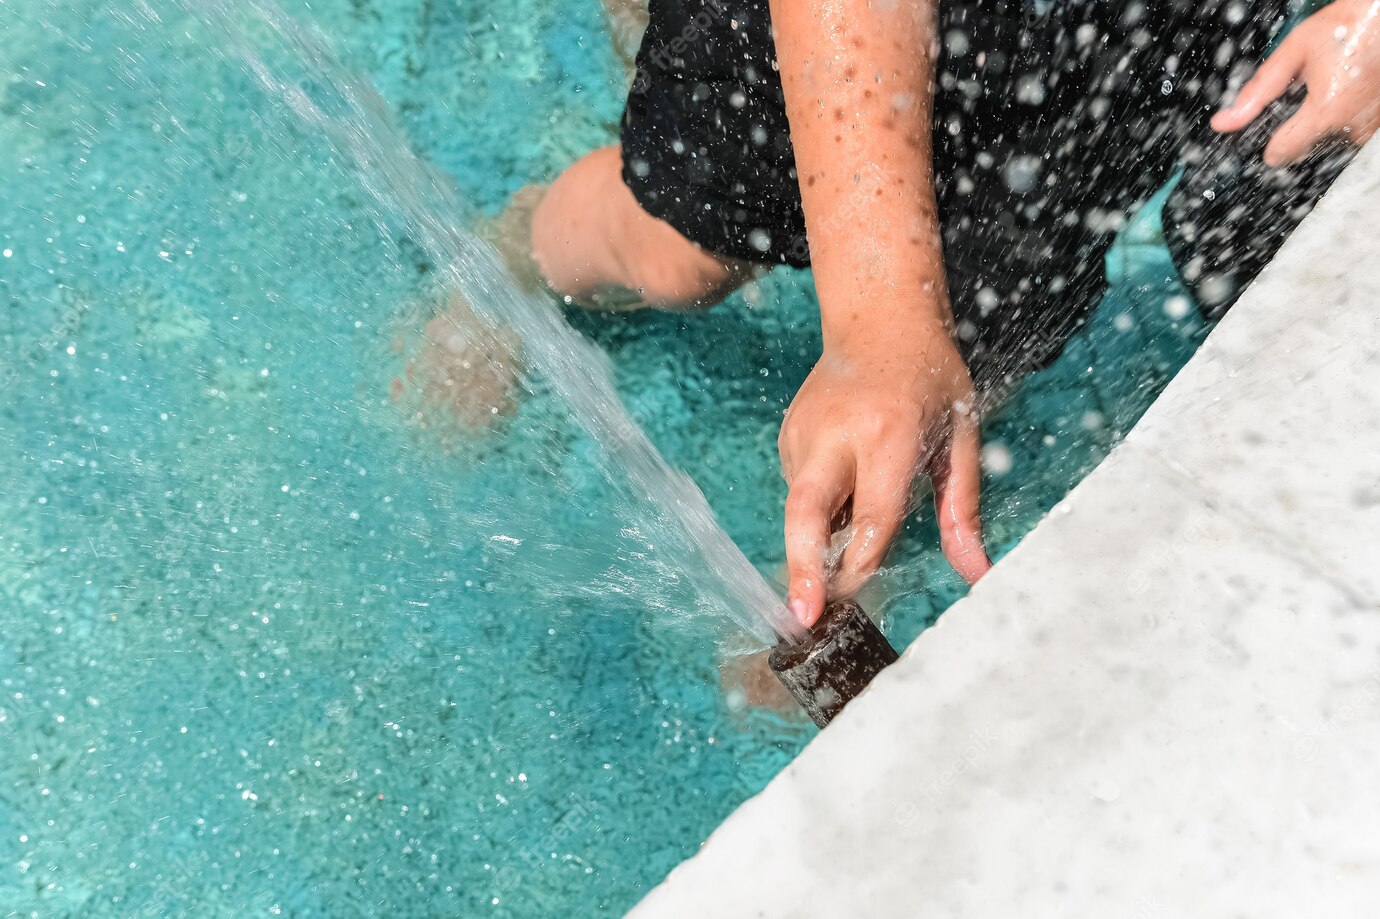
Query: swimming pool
{"points": [[269, 648]]}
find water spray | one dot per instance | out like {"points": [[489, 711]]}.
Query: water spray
{"points": [[834, 662]]}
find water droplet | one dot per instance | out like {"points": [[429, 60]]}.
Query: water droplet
{"points": [[1022, 172], [1177, 307], [996, 459]]}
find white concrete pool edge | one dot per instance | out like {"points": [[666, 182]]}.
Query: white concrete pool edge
{"points": [[1166, 700]]}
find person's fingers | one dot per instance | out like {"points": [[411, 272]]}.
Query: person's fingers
{"points": [[1295, 138], [881, 500], [1267, 84], [819, 489], [957, 487]]}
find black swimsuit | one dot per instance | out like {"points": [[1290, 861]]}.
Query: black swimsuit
{"points": [[1052, 125]]}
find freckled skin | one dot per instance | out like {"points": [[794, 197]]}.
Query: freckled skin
{"points": [[890, 391]]}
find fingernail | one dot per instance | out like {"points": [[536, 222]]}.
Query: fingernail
{"points": [[798, 610]]}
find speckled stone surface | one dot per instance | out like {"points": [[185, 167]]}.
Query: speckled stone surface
{"points": [[1166, 700]]}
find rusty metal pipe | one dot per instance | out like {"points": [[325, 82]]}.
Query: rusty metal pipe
{"points": [[835, 662]]}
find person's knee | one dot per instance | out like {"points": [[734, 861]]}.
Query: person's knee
{"points": [[573, 234], [682, 278], [591, 239]]}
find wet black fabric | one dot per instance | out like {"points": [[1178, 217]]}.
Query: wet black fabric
{"points": [[1049, 132], [705, 142], [1229, 213]]}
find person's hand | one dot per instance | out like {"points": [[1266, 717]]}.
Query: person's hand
{"points": [[1336, 54], [865, 425]]}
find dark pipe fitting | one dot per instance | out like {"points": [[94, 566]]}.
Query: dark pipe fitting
{"points": [[835, 662]]}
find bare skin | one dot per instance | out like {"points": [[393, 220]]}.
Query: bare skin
{"points": [[464, 367], [593, 242], [627, 20], [890, 398]]}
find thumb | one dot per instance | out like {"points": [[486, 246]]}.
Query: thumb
{"points": [[1267, 84], [957, 488], [816, 494]]}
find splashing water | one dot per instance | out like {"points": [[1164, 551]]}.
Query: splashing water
{"points": [[675, 517]]}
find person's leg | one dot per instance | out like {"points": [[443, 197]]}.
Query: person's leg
{"points": [[585, 238], [462, 373], [1229, 213], [700, 190], [1081, 119], [627, 20], [1046, 141], [593, 242]]}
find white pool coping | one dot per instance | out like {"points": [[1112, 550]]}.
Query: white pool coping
{"points": [[1165, 702]]}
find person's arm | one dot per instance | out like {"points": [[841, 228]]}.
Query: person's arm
{"points": [[890, 398], [1336, 54]]}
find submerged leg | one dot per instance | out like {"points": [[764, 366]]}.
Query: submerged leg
{"points": [[1230, 213], [463, 374], [594, 243], [585, 238]]}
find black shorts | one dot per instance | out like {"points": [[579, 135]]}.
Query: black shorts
{"points": [[1051, 127]]}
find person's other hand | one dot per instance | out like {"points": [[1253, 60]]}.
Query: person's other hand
{"points": [[1336, 54], [864, 425]]}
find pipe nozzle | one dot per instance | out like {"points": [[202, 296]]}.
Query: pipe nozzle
{"points": [[835, 662]]}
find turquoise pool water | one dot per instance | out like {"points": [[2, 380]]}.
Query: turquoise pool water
{"points": [[269, 649]]}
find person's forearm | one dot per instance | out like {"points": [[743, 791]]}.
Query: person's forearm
{"points": [[859, 85]]}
